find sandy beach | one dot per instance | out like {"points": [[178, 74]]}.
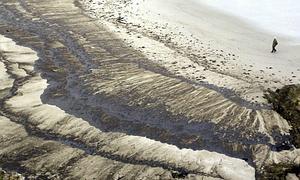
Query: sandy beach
{"points": [[201, 44], [96, 89]]}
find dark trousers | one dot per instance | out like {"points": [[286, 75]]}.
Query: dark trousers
{"points": [[273, 49]]}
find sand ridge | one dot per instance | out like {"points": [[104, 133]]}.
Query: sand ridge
{"points": [[99, 108]]}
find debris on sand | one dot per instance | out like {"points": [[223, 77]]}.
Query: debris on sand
{"points": [[4, 175]]}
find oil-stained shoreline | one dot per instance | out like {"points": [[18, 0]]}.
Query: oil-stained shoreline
{"points": [[98, 81]]}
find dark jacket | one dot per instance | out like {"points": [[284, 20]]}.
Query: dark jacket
{"points": [[275, 43]]}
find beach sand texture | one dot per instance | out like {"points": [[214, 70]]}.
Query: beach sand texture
{"points": [[195, 37], [106, 98]]}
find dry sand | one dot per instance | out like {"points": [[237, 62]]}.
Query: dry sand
{"points": [[200, 44]]}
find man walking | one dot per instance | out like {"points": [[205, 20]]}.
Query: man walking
{"points": [[275, 43]]}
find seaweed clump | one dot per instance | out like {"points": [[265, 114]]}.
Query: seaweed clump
{"points": [[286, 102], [4, 175], [280, 171]]}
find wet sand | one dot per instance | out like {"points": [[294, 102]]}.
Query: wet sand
{"points": [[85, 104]]}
